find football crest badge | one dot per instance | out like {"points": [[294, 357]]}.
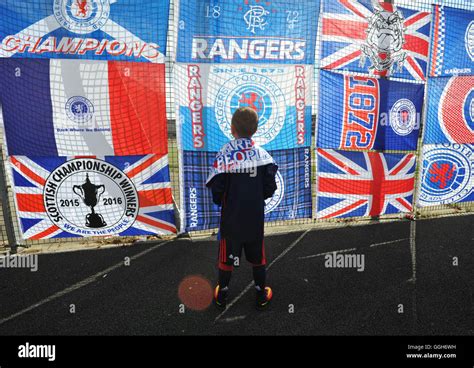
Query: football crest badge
{"points": [[470, 40], [82, 16]]}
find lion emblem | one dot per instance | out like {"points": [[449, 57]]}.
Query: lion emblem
{"points": [[385, 40]]}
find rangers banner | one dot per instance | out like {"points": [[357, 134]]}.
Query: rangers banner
{"points": [[363, 113], [208, 95], [247, 31], [131, 30], [450, 117], [448, 174], [356, 184], [376, 37], [73, 107], [62, 197], [452, 42], [292, 199]]}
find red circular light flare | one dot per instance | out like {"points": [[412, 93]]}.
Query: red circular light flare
{"points": [[195, 292]]}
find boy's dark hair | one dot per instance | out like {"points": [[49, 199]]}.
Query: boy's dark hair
{"points": [[245, 122]]}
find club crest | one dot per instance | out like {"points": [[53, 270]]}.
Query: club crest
{"points": [[403, 117], [273, 202], [79, 109], [255, 18], [82, 16], [470, 40], [258, 92], [447, 173]]}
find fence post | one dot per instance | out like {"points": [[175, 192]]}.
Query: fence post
{"points": [[6, 209]]}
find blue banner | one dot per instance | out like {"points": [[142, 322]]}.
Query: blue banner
{"points": [[364, 113], [131, 30], [250, 31], [292, 199], [452, 50], [376, 37], [450, 117], [209, 95], [448, 174]]}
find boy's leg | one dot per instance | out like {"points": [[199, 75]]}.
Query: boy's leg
{"points": [[228, 250], [255, 254], [225, 273], [259, 276]]}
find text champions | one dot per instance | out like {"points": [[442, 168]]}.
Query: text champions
{"points": [[80, 46]]}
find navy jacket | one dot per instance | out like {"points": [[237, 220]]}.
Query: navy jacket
{"points": [[242, 200]]}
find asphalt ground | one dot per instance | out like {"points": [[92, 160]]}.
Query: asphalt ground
{"points": [[417, 279]]}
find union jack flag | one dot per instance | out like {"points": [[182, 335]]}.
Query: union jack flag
{"points": [[355, 33], [356, 184], [130, 196]]}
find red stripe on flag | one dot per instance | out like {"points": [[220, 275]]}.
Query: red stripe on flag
{"points": [[402, 165], [377, 187], [143, 166], [155, 197], [30, 202], [352, 8], [29, 173], [417, 45], [45, 233], [344, 28], [365, 187], [435, 41], [155, 223], [348, 58], [415, 18], [416, 67], [405, 204], [138, 108]]}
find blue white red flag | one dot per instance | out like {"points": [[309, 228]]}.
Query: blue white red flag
{"points": [[128, 30], [75, 107], [62, 197], [357, 184], [452, 40], [367, 113], [450, 117], [375, 36], [247, 31]]}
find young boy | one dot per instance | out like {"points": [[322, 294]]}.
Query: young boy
{"points": [[241, 179]]}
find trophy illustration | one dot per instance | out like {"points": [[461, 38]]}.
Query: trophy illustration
{"points": [[90, 195]]}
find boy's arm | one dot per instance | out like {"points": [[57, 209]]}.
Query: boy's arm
{"points": [[269, 183], [217, 186]]}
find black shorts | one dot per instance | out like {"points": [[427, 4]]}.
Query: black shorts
{"points": [[230, 252]]}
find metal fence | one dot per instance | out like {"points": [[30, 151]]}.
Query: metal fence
{"points": [[9, 226]]}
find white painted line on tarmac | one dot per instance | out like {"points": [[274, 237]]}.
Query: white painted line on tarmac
{"points": [[249, 286], [233, 319], [80, 284], [413, 250], [326, 253], [353, 249]]}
